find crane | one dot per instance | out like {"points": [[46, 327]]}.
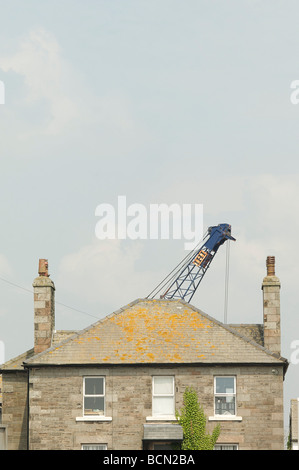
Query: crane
{"points": [[190, 272]]}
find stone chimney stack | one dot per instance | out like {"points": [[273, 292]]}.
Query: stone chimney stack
{"points": [[271, 302], [44, 308]]}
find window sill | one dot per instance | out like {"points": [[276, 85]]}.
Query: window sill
{"points": [[161, 418], [225, 418], [94, 418]]}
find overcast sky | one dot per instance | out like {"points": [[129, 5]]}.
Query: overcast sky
{"points": [[161, 101]]}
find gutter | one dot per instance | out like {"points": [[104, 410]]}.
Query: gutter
{"points": [[284, 363]]}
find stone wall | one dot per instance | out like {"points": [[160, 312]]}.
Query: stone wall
{"points": [[56, 403], [293, 424], [14, 417]]}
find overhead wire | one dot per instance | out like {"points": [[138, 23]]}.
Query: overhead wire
{"points": [[166, 281], [56, 301]]}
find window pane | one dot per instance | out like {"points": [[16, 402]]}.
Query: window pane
{"points": [[94, 385], [225, 385], [94, 447], [93, 405], [224, 405], [225, 447], [163, 385], [163, 406]]}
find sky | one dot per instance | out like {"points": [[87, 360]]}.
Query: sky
{"points": [[161, 101]]}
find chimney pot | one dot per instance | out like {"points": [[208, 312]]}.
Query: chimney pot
{"points": [[43, 267], [270, 263]]}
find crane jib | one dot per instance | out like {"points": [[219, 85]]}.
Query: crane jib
{"points": [[192, 272], [218, 235]]}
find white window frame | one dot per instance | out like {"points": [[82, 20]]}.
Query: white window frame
{"points": [[226, 445], [156, 417], [233, 394], [100, 446], [102, 395], [94, 417]]}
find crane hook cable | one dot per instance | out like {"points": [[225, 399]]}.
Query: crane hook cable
{"points": [[226, 281]]}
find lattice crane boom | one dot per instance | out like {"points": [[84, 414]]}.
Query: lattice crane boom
{"points": [[184, 283]]}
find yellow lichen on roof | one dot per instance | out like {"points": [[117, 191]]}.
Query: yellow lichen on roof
{"points": [[148, 331]]}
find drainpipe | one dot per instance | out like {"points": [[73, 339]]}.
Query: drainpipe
{"points": [[27, 407]]}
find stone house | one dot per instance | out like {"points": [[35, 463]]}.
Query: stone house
{"points": [[117, 384], [294, 425]]}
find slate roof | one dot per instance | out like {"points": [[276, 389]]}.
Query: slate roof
{"points": [[16, 363], [156, 332], [252, 331]]}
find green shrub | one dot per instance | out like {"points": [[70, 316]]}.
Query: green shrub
{"points": [[193, 421]]}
